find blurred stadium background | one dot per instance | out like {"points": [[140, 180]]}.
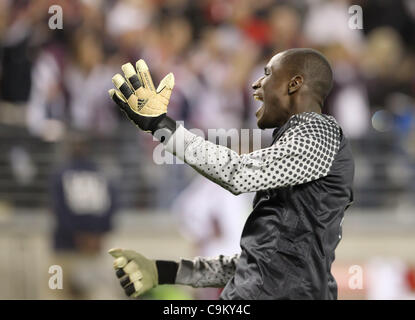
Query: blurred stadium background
{"points": [[53, 98]]}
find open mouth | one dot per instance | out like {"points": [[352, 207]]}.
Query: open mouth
{"points": [[258, 96]]}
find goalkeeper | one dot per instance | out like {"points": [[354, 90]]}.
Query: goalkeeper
{"points": [[303, 185]]}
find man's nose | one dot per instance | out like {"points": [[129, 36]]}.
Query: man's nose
{"points": [[257, 84]]}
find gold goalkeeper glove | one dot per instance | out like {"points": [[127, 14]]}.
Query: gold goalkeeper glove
{"points": [[137, 97]]}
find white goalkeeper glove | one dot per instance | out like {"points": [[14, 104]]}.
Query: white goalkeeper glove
{"points": [[137, 274]]}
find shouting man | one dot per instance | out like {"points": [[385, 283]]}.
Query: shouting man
{"points": [[303, 185]]}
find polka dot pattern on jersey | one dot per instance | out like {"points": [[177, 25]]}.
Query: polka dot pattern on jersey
{"points": [[304, 152], [214, 272]]}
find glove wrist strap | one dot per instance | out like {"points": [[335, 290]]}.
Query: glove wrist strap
{"points": [[167, 271], [164, 128]]}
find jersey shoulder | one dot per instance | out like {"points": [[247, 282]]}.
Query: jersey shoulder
{"points": [[316, 126], [316, 138]]}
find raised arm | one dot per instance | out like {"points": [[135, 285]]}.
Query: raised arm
{"points": [[304, 153]]}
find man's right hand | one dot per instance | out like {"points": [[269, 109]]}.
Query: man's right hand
{"points": [[136, 95], [137, 274]]}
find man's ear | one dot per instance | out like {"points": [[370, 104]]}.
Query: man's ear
{"points": [[295, 84]]}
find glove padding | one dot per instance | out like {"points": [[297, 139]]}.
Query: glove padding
{"points": [[138, 98], [137, 274]]}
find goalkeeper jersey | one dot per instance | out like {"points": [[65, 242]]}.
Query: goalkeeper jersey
{"points": [[303, 184]]}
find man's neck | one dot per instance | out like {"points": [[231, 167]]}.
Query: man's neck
{"points": [[306, 105]]}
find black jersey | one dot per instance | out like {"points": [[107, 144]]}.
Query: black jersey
{"points": [[303, 185]]}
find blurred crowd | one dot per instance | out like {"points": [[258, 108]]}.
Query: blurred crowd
{"points": [[53, 81], [53, 95]]}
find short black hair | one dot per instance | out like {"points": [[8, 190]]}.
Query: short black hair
{"points": [[313, 66]]}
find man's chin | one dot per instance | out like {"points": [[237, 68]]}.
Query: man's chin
{"points": [[260, 117], [260, 123]]}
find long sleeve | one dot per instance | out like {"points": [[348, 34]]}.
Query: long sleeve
{"points": [[206, 272], [305, 152]]}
